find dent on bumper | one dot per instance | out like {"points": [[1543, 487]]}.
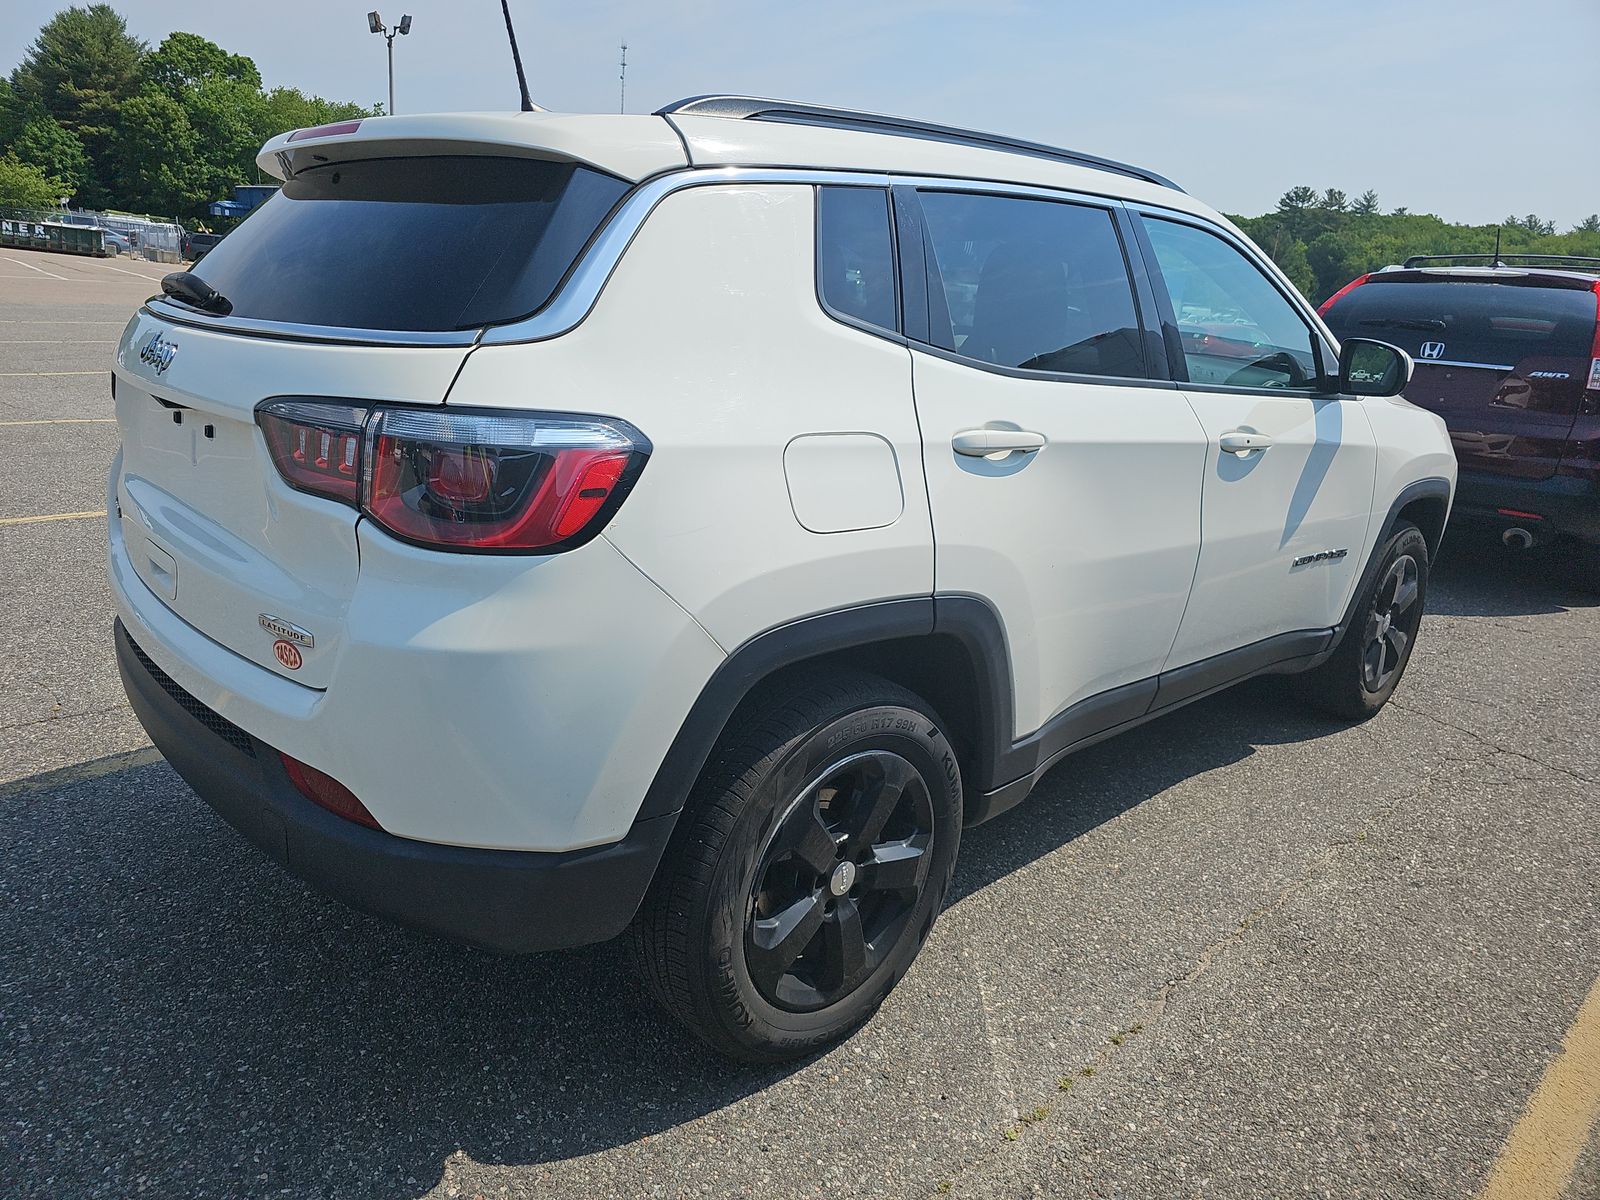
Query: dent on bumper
{"points": [[511, 901]]}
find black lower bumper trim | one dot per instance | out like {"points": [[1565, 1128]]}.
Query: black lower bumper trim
{"points": [[1566, 505], [512, 901]]}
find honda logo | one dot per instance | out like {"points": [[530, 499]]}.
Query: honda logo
{"points": [[1432, 349]]}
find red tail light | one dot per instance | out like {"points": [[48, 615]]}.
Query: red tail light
{"points": [[460, 479], [1322, 309], [316, 446], [326, 791], [1594, 351]]}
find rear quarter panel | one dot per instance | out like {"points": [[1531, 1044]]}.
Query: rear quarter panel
{"points": [[710, 339]]}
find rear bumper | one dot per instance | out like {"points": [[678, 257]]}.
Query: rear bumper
{"points": [[511, 901], [1565, 504]]}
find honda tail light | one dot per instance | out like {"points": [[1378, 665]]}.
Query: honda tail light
{"points": [[1593, 383], [460, 479], [1322, 309]]}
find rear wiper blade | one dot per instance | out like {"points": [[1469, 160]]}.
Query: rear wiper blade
{"points": [[188, 288], [1427, 323]]}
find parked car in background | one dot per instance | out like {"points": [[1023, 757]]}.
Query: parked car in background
{"points": [[1507, 351], [116, 243], [535, 527], [197, 245]]}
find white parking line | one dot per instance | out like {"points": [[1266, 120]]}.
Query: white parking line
{"points": [[20, 374], [62, 342], [62, 421], [31, 267], [135, 274]]}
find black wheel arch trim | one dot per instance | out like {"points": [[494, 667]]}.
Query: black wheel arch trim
{"points": [[758, 659], [1431, 488]]}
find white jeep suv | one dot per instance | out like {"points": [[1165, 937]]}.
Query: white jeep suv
{"points": [[532, 527]]}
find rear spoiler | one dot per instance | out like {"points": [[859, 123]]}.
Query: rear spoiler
{"points": [[630, 147]]}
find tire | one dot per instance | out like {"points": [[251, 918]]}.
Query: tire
{"points": [[1372, 655], [825, 825]]}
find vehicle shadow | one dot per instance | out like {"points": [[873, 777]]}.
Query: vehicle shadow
{"points": [[185, 1019], [1475, 576]]}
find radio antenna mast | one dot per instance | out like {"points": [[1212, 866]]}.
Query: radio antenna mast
{"points": [[622, 81], [516, 58]]}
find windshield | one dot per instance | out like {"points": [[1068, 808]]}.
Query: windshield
{"points": [[1494, 324], [412, 243]]}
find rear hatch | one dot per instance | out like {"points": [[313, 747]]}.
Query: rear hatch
{"points": [[428, 250], [1502, 356]]}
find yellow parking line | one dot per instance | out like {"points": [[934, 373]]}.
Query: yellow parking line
{"points": [[1538, 1157], [83, 516], [63, 421]]}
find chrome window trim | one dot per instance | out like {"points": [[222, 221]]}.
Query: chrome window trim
{"points": [[582, 289], [589, 278]]}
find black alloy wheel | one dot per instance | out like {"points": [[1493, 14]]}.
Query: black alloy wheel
{"points": [[1366, 665], [839, 878], [807, 868], [1391, 623]]}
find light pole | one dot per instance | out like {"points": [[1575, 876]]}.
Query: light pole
{"points": [[375, 25]]}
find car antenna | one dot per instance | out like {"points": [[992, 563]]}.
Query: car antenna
{"points": [[1497, 261], [516, 57]]}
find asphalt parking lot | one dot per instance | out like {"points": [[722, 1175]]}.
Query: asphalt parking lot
{"points": [[1241, 952]]}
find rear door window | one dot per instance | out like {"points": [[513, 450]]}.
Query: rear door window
{"points": [[855, 255], [1033, 285], [1486, 324], [414, 244]]}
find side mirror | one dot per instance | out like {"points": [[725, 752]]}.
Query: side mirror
{"points": [[1369, 368]]}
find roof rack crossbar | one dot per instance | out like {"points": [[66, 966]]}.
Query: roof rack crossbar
{"points": [[1576, 260], [755, 108]]}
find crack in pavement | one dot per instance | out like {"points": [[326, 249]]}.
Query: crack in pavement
{"points": [[1497, 747], [1152, 1011]]}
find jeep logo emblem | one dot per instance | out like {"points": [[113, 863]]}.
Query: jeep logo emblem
{"points": [[158, 352]]}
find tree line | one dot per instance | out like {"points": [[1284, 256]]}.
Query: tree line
{"points": [[94, 114], [1323, 240]]}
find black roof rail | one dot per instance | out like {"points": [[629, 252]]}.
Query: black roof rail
{"points": [[1505, 260], [756, 108]]}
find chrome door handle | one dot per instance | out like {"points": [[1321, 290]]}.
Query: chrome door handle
{"points": [[978, 443], [1241, 443]]}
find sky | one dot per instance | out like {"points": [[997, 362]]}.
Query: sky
{"points": [[1472, 109]]}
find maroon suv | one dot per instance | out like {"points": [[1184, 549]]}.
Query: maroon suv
{"points": [[1508, 353]]}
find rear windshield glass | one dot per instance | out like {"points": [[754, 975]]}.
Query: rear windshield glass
{"points": [[1495, 324], [412, 243]]}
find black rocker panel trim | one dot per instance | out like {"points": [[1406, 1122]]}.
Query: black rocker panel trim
{"points": [[1002, 769]]}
